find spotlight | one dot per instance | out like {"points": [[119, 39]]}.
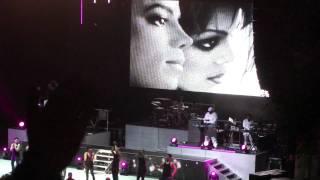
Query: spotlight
{"points": [[243, 147], [174, 142], [78, 162], [5, 149], [213, 176], [123, 168], [21, 124], [123, 165], [207, 143], [79, 158], [152, 168], [253, 148]]}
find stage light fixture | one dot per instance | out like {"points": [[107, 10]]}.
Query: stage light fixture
{"points": [[253, 148], [152, 168], [243, 147], [79, 158], [5, 149], [174, 142], [21, 124], [123, 165], [124, 168], [207, 144], [213, 176]]}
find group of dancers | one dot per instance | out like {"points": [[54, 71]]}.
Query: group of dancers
{"points": [[209, 132], [168, 167]]}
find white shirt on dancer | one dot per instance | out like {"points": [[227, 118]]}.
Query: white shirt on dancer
{"points": [[246, 124], [210, 118]]}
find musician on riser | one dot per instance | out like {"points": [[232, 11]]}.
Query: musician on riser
{"points": [[247, 126], [209, 120]]}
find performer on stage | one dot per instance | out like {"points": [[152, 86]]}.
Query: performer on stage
{"points": [[169, 168], [88, 163], [247, 126], [15, 152], [142, 168], [210, 118], [115, 162]]}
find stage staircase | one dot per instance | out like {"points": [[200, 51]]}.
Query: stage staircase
{"points": [[102, 162], [222, 170]]}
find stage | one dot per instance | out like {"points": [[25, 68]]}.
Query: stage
{"points": [[240, 164], [229, 164], [77, 174]]}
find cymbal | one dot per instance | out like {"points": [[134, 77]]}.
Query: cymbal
{"points": [[159, 108], [155, 102], [162, 99]]}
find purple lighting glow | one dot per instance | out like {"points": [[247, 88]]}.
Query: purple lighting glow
{"points": [[123, 165], [79, 158], [81, 12], [5, 149]]}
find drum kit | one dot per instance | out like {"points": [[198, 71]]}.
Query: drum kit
{"points": [[170, 113]]}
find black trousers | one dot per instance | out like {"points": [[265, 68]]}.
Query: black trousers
{"points": [[14, 159], [140, 175], [115, 175], [91, 172]]}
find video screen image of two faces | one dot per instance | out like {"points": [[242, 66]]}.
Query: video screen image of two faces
{"points": [[198, 46]]}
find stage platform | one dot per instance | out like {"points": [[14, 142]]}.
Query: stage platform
{"points": [[241, 164], [78, 174], [151, 138]]}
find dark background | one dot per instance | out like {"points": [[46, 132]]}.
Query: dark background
{"points": [[41, 41]]}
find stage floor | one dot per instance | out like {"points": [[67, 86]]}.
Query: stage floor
{"points": [[76, 173]]}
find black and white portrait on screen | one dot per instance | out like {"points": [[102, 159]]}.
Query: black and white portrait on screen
{"points": [[157, 43], [198, 46]]}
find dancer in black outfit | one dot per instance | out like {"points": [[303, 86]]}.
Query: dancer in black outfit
{"points": [[169, 169], [115, 162], [142, 169], [88, 163], [15, 152]]}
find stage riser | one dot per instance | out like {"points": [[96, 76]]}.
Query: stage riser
{"points": [[241, 164], [152, 138], [97, 139]]}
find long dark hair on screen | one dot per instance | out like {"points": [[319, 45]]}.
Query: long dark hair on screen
{"points": [[195, 14]]}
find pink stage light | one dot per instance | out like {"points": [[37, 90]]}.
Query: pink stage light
{"points": [[206, 143], [81, 12], [5, 149], [79, 158], [124, 164], [213, 173], [21, 124], [174, 142], [243, 147], [213, 176]]}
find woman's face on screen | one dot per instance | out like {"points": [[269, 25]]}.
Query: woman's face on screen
{"points": [[157, 43], [207, 59]]}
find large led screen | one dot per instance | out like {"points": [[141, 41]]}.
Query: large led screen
{"points": [[198, 46]]}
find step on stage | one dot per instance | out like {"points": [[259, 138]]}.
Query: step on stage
{"points": [[228, 164]]}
